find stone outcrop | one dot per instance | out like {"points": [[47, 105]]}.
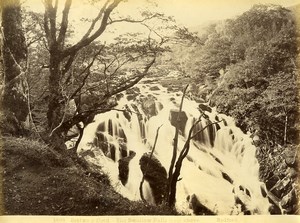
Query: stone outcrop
{"points": [[178, 119], [124, 167], [205, 107], [156, 175], [197, 207], [149, 106]]}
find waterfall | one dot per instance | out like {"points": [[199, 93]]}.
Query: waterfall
{"points": [[220, 172]]}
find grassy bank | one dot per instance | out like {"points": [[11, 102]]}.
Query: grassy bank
{"points": [[39, 181]]}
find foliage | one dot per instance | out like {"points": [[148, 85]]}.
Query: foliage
{"points": [[90, 72], [259, 86]]}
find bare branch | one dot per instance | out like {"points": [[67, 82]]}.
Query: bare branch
{"points": [[123, 86], [175, 145], [84, 42], [88, 73], [134, 21], [92, 26]]}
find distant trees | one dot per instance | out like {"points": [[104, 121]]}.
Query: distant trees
{"points": [[258, 86]]}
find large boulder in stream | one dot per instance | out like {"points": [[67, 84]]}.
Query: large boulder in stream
{"points": [[178, 119], [154, 88], [149, 106], [197, 207], [132, 93], [156, 175], [205, 107], [124, 167]]}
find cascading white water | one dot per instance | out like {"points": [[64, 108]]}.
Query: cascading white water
{"points": [[221, 170]]}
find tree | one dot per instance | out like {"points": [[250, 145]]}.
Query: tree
{"points": [[176, 162], [14, 98], [63, 57], [259, 88]]}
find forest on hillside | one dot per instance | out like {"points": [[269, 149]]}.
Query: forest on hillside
{"points": [[54, 83]]}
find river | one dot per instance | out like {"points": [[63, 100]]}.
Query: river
{"points": [[220, 172]]}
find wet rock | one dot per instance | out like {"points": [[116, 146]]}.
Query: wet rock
{"points": [[121, 134], [156, 175], [100, 137], [241, 203], [160, 106], [291, 173], [101, 127], [205, 107], [263, 191], [290, 157], [133, 90], [124, 167], [112, 152], [130, 97], [119, 96], [170, 88], [132, 93], [154, 88], [178, 119], [87, 153], [289, 202], [127, 115], [197, 207], [123, 149], [226, 177], [199, 100], [148, 106], [273, 209]]}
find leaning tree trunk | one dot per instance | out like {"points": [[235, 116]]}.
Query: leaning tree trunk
{"points": [[14, 95]]}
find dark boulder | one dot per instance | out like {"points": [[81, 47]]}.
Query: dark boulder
{"points": [[178, 119], [197, 207], [290, 157], [205, 107], [87, 153], [149, 106], [156, 175], [289, 202], [132, 93], [130, 97], [199, 100], [154, 88], [119, 96], [124, 167], [101, 127]]}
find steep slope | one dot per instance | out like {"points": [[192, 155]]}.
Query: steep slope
{"points": [[40, 181]]}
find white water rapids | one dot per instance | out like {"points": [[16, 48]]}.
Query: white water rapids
{"points": [[221, 170]]}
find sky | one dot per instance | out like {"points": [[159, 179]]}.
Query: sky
{"points": [[195, 12], [189, 13], [186, 12]]}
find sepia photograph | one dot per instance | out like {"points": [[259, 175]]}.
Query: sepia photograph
{"points": [[149, 110]]}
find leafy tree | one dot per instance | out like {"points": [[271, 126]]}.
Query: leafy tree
{"points": [[259, 88], [87, 68]]}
